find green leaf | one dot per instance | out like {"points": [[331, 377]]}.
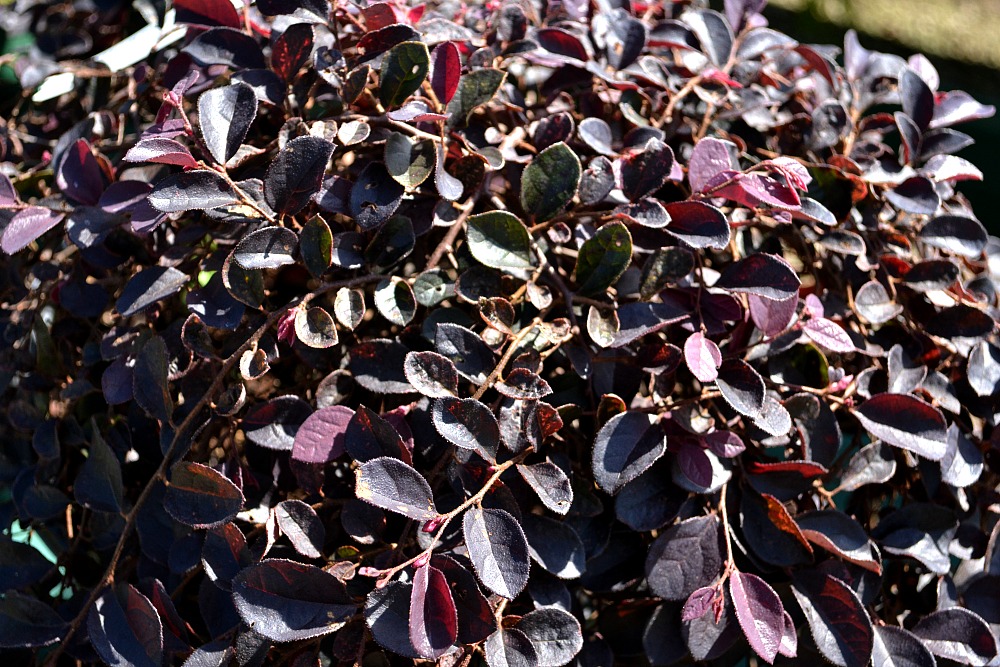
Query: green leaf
{"points": [[408, 162], [474, 89], [316, 245], [549, 183], [500, 240], [603, 258], [404, 68]]}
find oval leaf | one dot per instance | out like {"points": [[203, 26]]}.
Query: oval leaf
{"points": [[201, 497], [549, 183], [907, 422], [625, 447], [393, 485], [498, 550], [499, 240]]}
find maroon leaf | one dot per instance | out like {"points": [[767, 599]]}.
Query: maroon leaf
{"points": [[839, 622], [839, 534], [753, 190], [702, 357], [760, 613], [200, 496], [27, 225], [446, 69], [208, 13], [698, 603], [431, 374], [291, 50], [299, 522], [523, 384], [476, 621], [761, 274], [741, 386], [957, 634], [393, 485], [698, 224], [907, 422], [467, 423], [433, 618], [641, 172], [369, 436], [79, 175]]}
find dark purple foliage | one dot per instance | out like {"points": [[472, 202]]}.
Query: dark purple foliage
{"points": [[533, 333]]}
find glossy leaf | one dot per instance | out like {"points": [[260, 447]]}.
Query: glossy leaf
{"points": [[201, 497], [393, 485], [907, 422], [839, 622], [225, 115], [404, 68], [198, 189], [550, 181], [433, 618], [498, 550], [763, 275], [286, 601], [500, 240], [468, 424]]}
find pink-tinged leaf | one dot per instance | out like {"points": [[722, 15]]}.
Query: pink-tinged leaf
{"points": [[814, 306], [698, 603], [26, 226], [772, 316], [793, 170], [703, 357], [760, 613], [789, 646], [710, 158], [907, 422], [379, 15], [8, 195], [754, 190], [951, 168], [446, 69], [827, 333], [321, 437], [162, 151], [211, 13], [433, 617], [79, 176], [724, 444]]}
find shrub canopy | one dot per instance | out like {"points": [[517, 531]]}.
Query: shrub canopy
{"points": [[525, 332]]}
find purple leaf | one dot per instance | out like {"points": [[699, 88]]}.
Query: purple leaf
{"points": [[695, 464], [710, 158], [760, 613], [703, 357], [827, 333], [698, 603], [287, 601], [467, 423], [555, 634], [79, 176], [27, 225], [446, 69], [393, 485], [296, 174], [625, 447], [838, 621], [685, 557], [957, 634], [641, 172], [201, 497], [498, 550], [433, 618], [741, 386], [772, 316], [698, 224], [161, 150], [957, 106], [303, 528], [431, 374]]}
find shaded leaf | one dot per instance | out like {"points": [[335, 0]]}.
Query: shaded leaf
{"points": [[387, 613], [836, 617], [603, 258], [841, 535], [99, 482], [509, 647], [149, 380], [763, 275], [296, 174], [896, 647], [201, 497], [299, 522], [555, 546], [225, 115], [149, 286], [550, 483], [433, 619], [640, 173], [287, 601], [467, 423], [685, 557], [316, 246], [26, 622], [198, 189], [555, 634], [274, 424], [741, 386], [474, 89]]}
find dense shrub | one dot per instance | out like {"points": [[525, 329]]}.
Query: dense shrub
{"points": [[522, 332]]}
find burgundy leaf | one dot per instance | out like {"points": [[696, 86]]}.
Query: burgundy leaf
{"points": [[763, 275], [433, 618], [446, 69], [523, 384], [698, 224], [760, 613], [640, 173], [393, 485], [625, 447], [839, 623], [907, 422], [770, 315], [741, 386], [710, 158], [79, 175], [207, 13], [698, 603], [161, 150]]}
